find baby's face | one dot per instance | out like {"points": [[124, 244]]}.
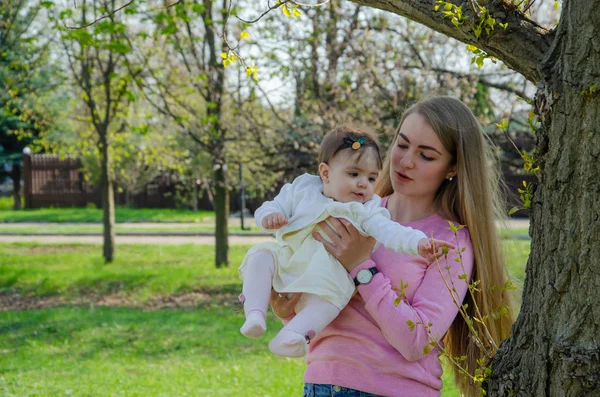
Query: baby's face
{"points": [[351, 176]]}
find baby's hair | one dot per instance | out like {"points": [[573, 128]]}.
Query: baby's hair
{"points": [[340, 138]]}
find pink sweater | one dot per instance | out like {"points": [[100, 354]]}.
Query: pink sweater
{"points": [[369, 346]]}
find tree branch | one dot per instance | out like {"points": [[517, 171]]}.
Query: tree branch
{"points": [[522, 46]]}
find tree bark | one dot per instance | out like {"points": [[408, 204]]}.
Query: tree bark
{"points": [[16, 178], [108, 201], [554, 349]]}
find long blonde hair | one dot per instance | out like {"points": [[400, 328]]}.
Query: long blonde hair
{"points": [[473, 199]]}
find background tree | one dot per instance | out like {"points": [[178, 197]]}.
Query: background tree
{"points": [[27, 79], [96, 55], [185, 82]]}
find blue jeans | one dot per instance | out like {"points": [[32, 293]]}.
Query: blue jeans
{"points": [[313, 390]]}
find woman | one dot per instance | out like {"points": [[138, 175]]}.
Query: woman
{"points": [[438, 169]]}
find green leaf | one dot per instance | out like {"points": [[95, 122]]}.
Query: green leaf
{"points": [[65, 13], [198, 8], [170, 29], [411, 325], [119, 48]]}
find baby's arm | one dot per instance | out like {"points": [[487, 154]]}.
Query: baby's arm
{"points": [[394, 236], [403, 239], [276, 212]]}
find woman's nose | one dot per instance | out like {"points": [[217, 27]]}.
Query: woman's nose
{"points": [[407, 161]]}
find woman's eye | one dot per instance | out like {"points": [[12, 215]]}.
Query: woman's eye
{"points": [[402, 146], [426, 158]]}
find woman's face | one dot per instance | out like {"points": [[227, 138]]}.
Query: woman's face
{"points": [[420, 163]]}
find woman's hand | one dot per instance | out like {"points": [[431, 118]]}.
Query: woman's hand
{"points": [[283, 304], [348, 246]]}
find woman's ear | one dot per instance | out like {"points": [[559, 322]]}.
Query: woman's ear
{"points": [[451, 172], [324, 172]]}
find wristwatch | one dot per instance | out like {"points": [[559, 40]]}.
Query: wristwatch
{"points": [[364, 276]]}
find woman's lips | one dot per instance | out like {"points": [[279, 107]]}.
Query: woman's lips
{"points": [[402, 178]]}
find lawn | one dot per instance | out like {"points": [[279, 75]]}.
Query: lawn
{"points": [[94, 350], [122, 214], [108, 351]]}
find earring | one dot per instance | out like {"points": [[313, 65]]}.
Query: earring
{"points": [[451, 178]]}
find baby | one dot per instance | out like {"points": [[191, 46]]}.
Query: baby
{"points": [[349, 163]]}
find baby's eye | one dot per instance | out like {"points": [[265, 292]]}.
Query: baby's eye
{"points": [[354, 174], [372, 180]]}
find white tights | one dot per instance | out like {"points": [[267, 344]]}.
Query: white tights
{"points": [[292, 340]]}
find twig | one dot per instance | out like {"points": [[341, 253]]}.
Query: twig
{"points": [[277, 5], [110, 14]]}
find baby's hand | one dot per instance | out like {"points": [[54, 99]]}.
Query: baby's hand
{"points": [[426, 248], [274, 221]]}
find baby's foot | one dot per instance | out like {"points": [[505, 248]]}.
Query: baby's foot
{"points": [[289, 344], [255, 324]]}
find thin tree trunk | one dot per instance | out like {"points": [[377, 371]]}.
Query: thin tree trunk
{"points": [[16, 178], [554, 349], [222, 216], [108, 201]]}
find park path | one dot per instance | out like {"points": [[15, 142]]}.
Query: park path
{"points": [[158, 239], [200, 240]]}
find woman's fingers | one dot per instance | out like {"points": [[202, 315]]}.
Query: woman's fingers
{"points": [[283, 304], [340, 226], [331, 248], [330, 231]]}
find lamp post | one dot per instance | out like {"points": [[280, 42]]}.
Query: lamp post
{"points": [[242, 197]]}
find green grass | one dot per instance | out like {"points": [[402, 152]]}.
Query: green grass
{"points": [[117, 351], [122, 214], [142, 271], [103, 351]]}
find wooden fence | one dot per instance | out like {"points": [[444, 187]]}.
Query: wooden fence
{"points": [[53, 182], [50, 181]]}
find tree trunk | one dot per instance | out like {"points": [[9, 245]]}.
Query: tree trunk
{"points": [[16, 178], [554, 349], [108, 201], [222, 216]]}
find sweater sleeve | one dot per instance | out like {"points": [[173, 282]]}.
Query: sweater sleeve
{"points": [[432, 302], [393, 235]]}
